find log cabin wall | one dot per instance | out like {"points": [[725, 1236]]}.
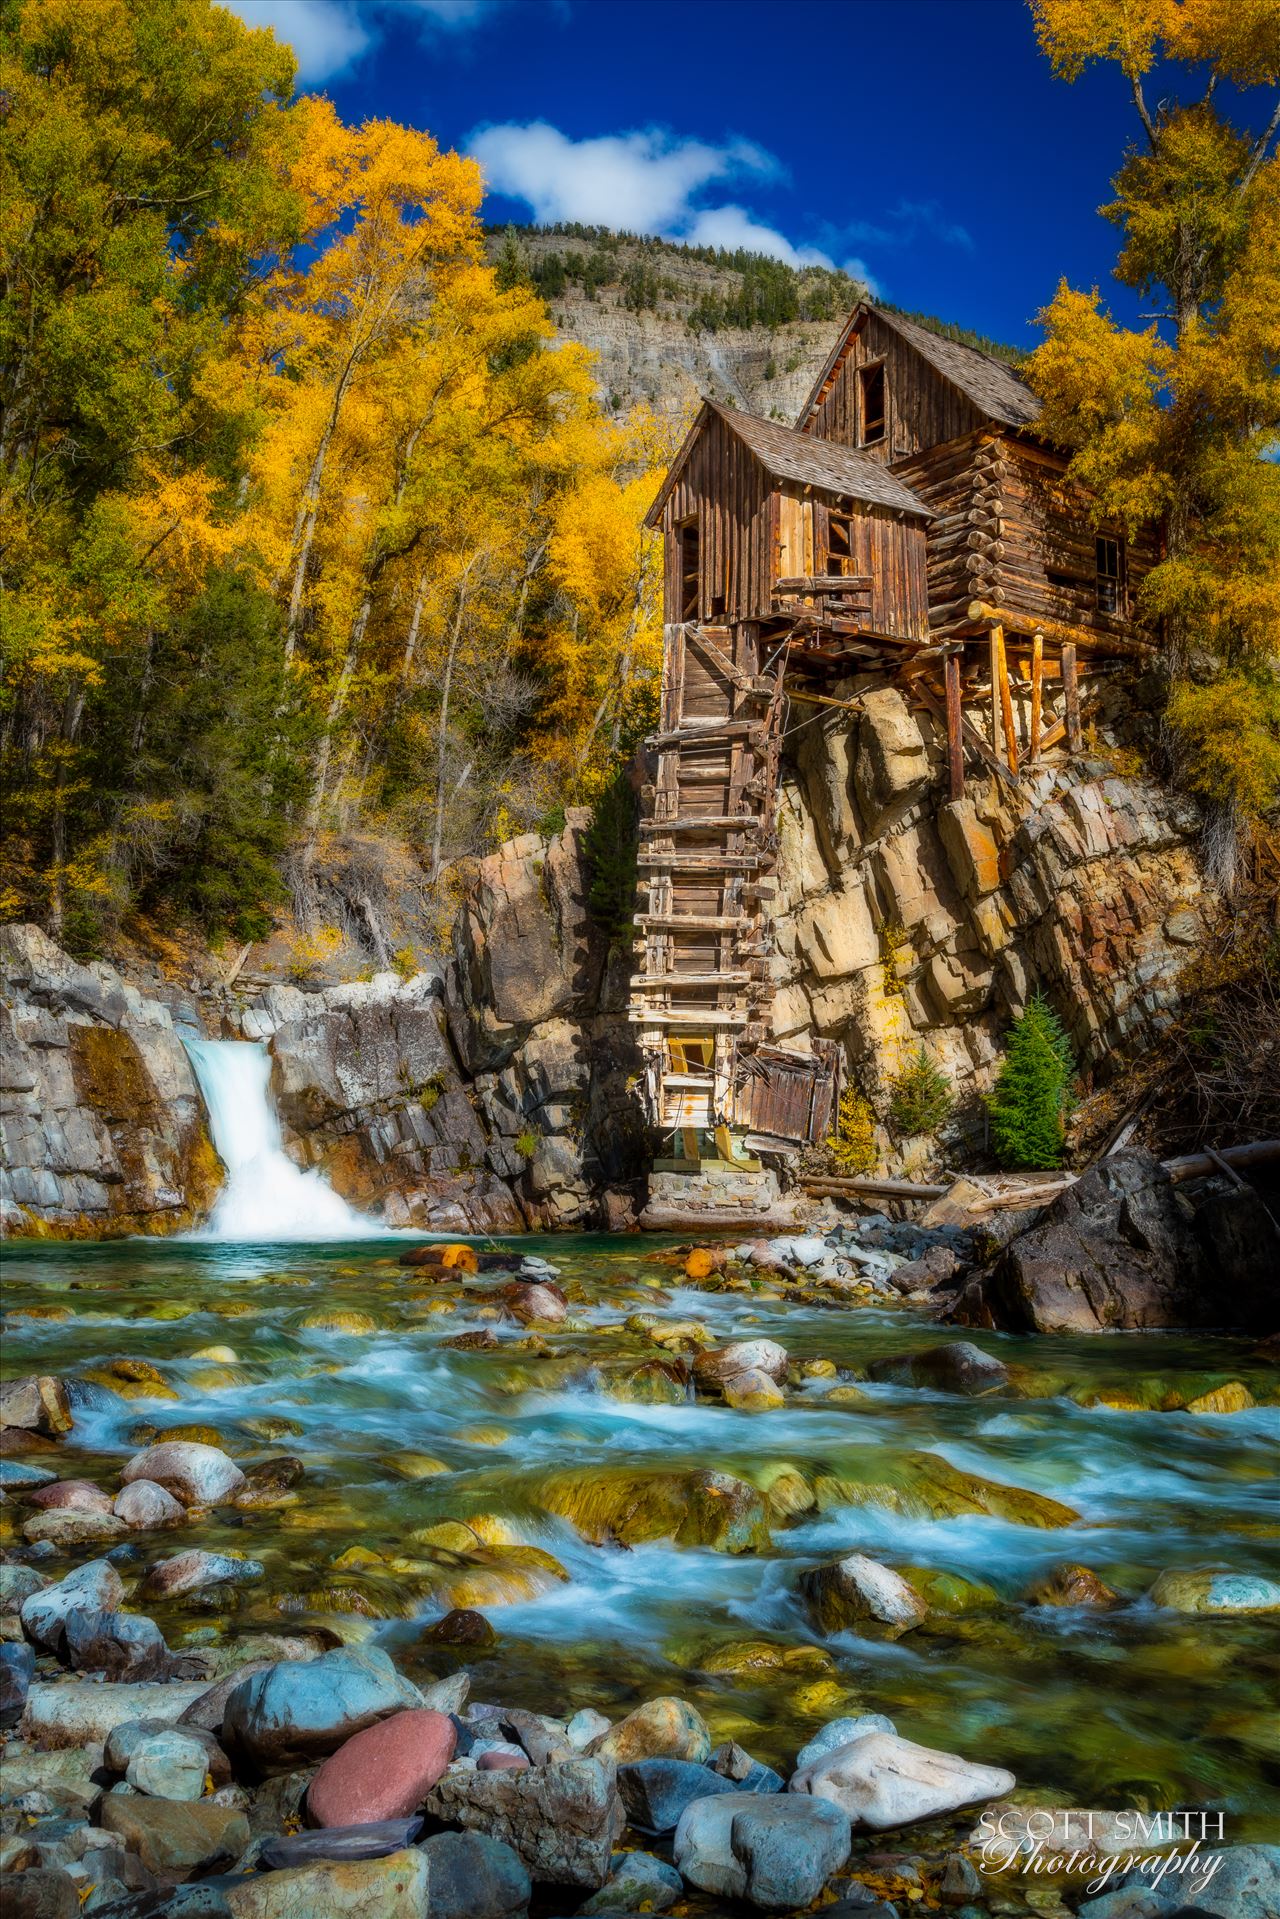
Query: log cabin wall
{"points": [[726, 492], [961, 482], [922, 408], [1045, 561]]}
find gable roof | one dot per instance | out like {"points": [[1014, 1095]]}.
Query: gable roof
{"points": [[787, 454], [987, 383]]}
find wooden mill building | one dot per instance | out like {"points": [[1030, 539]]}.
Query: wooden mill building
{"points": [[913, 523]]}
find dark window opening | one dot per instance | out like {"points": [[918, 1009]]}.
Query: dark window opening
{"points": [[871, 394], [1068, 582], [840, 543], [1109, 575], [687, 594]]}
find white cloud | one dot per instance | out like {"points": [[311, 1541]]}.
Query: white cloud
{"points": [[328, 36], [641, 182], [733, 227]]}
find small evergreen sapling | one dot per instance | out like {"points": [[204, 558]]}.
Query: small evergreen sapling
{"points": [[1029, 1104], [922, 1096]]}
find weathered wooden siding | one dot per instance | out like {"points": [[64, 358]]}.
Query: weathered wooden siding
{"points": [[893, 552], [922, 409], [726, 490]]}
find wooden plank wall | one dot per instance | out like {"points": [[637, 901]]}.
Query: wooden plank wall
{"points": [[725, 488], [924, 410], [1046, 527]]}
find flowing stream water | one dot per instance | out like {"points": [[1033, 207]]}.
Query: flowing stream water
{"points": [[290, 1328]]}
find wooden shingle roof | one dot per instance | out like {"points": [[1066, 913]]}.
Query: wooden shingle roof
{"points": [[989, 384], [787, 454]]}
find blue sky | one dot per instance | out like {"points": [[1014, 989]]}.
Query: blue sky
{"points": [[921, 143]]}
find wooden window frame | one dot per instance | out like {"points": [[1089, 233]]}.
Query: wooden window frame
{"points": [[865, 375], [1110, 585], [840, 563]]}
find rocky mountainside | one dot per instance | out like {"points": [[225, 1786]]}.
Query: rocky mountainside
{"points": [[672, 325]]}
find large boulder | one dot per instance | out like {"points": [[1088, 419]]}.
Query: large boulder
{"points": [[96, 1587], [562, 1820], [1123, 1248], [775, 1851], [176, 1840], [84, 1712], [37, 1403], [957, 1367], [475, 1877], [857, 1594], [695, 1508], [296, 1712], [395, 1886]]}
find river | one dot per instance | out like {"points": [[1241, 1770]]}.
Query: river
{"points": [[399, 1433]]}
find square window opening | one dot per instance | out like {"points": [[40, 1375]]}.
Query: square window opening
{"points": [[871, 404]]}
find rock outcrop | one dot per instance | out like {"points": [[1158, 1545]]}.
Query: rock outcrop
{"points": [[103, 1127], [906, 918]]}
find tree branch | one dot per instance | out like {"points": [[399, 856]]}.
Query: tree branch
{"points": [[1256, 157], [1144, 113]]}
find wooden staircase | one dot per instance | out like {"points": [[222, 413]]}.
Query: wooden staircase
{"points": [[701, 990]]}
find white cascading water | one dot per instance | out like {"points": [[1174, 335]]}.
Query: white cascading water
{"points": [[266, 1196]]}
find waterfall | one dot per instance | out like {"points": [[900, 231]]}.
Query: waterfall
{"points": [[266, 1196]]}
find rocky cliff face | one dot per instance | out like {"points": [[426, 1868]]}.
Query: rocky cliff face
{"points": [[906, 918], [496, 1092], [103, 1128]]}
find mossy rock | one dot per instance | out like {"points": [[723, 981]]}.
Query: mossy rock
{"points": [[654, 1382], [763, 1658], [694, 1508], [949, 1593], [1201, 1590], [414, 1465], [924, 1486], [786, 1490], [509, 1576], [338, 1319], [272, 1427]]}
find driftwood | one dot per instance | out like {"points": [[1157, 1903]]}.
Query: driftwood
{"points": [[889, 1188], [1197, 1165]]}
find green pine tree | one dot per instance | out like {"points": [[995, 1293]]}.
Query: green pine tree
{"points": [[1030, 1101], [610, 849], [922, 1096]]}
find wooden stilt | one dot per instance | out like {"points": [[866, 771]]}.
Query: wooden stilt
{"points": [[955, 743], [1071, 698], [995, 642], [1037, 677], [1006, 702]]}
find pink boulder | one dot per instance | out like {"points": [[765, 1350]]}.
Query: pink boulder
{"points": [[502, 1762], [72, 1496], [384, 1772]]}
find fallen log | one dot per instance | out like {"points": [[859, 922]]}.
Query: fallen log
{"points": [[889, 1188], [1197, 1165]]}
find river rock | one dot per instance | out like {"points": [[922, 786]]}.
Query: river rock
{"points": [[372, 1841], [21, 1476], [528, 1301], [562, 1820], [83, 1712], [194, 1571], [173, 1763], [120, 1644], [463, 1626], [882, 1781], [1070, 1585], [841, 1732], [72, 1495], [36, 1403], [640, 1882], [145, 1506], [632, 1507], [17, 1667], [741, 1356], [196, 1475], [752, 1392], [502, 1758], [585, 1726], [42, 1892], [777, 1852], [734, 1762], [176, 1841], [475, 1877], [1245, 1884], [69, 1530], [957, 1367], [17, 1583], [856, 1592], [394, 1886], [95, 1587], [384, 1772], [656, 1791], [292, 1714], [1201, 1590], [663, 1728]]}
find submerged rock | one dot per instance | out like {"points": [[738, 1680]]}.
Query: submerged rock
{"points": [[694, 1508], [1201, 1590], [925, 1486], [1070, 1585], [194, 1571], [957, 1367]]}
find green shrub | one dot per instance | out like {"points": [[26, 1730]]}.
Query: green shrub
{"points": [[526, 1143], [609, 846], [922, 1095], [1030, 1101]]}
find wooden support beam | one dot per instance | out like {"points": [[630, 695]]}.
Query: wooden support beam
{"points": [[1071, 698], [679, 1016], [982, 613], [1037, 676], [972, 739], [825, 583], [955, 723], [673, 982], [706, 823], [993, 652], [697, 922], [700, 862], [823, 699], [1006, 702]]}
